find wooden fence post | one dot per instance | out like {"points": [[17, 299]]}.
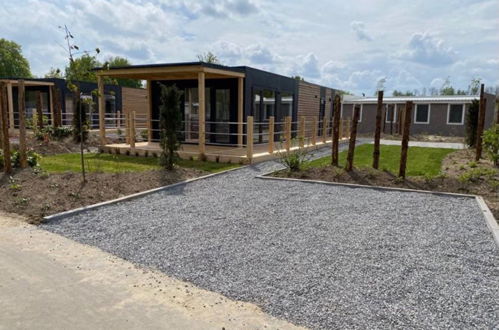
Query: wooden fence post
{"points": [[249, 138], [405, 139], [353, 137], [271, 134], [132, 130], [4, 127], [21, 103], [39, 109], [288, 133], [481, 123], [56, 104], [301, 135], [377, 132], [336, 130], [314, 131], [118, 119]]}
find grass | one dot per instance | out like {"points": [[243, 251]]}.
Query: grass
{"points": [[420, 161], [107, 163]]}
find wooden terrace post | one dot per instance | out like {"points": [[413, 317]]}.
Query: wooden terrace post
{"points": [[202, 115], [481, 123], [336, 131], [132, 131], [4, 128], [405, 139], [10, 102], [21, 103], [240, 111], [102, 110], [118, 119], [314, 131], [353, 137], [271, 134], [39, 110], [127, 127], [51, 105], [149, 112], [377, 131], [301, 137], [57, 111], [249, 138], [288, 133], [324, 129]]}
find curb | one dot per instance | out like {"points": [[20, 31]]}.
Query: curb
{"points": [[489, 217], [133, 196]]}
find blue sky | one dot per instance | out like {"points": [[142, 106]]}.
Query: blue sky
{"points": [[342, 44]]}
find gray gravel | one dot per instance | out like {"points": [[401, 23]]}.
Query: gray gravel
{"points": [[318, 255]]}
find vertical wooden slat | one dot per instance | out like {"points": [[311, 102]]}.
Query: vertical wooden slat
{"points": [[314, 131], [249, 138], [336, 131], [51, 105], [4, 127], [21, 103], [240, 109], [10, 102], [102, 110], [353, 137], [377, 130], [405, 139], [481, 123], [301, 136], [39, 110], [288, 133], [118, 119], [132, 130], [56, 104], [202, 115], [271, 134]]}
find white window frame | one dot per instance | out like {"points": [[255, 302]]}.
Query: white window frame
{"points": [[416, 112], [462, 117], [341, 110], [394, 113]]}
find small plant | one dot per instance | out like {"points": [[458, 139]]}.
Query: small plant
{"points": [[144, 134], [13, 185], [476, 174], [491, 143], [398, 180], [472, 164], [21, 201], [293, 160]]}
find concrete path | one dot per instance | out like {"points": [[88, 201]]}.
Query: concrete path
{"points": [[448, 145], [50, 282]]}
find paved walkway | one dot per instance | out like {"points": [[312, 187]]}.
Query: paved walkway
{"points": [[50, 282], [448, 145], [322, 256]]}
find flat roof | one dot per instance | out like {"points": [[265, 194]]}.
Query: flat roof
{"points": [[350, 99]]}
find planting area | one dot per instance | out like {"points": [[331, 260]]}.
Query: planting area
{"points": [[318, 255]]}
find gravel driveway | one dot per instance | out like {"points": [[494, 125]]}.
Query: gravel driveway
{"points": [[321, 256]]}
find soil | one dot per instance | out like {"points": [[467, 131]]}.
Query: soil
{"points": [[53, 147], [456, 178], [35, 195]]}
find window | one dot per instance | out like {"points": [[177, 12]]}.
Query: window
{"points": [[455, 114], [391, 113], [422, 114], [286, 104]]}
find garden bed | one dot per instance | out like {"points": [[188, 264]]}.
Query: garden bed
{"points": [[430, 169]]}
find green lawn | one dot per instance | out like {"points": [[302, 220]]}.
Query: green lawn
{"points": [[96, 162], [420, 161]]}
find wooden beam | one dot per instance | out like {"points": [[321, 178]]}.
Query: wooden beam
{"points": [[133, 133], [353, 137], [336, 130], [4, 128], [222, 72], [314, 131], [51, 105], [288, 133], [240, 110], [57, 112], [271, 134], [377, 130], [39, 109], [249, 138], [301, 134], [324, 129], [149, 112], [405, 139], [10, 102], [21, 103], [481, 123], [102, 110], [202, 115]]}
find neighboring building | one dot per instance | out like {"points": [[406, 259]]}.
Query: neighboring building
{"points": [[116, 99], [434, 115]]}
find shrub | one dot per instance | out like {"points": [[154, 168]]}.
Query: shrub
{"points": [[472, 123], [491, 143], [144, 134], [57, 133], [170, 121], [293, 160], [33, 159]]}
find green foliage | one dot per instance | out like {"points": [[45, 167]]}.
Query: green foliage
{"points": [[420, 161], [476, 174], [80, 124], [170, 122], [491, 143], [472, 123], [208, 57], [144, 134], [400, 93], [119, 62], [54, 73], [12, 61], [51, 132], [80, 69], [33, 158], [293, 160]]}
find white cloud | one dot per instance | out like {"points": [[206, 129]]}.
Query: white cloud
{"points": [[427, 49], [360, 30]]}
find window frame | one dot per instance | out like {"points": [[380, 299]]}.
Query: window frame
{"points": [[416, 112], [462, 116], [394, 113]]}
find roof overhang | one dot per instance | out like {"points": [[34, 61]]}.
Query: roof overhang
{"points": [[169, 72], [27, 82], [418, 100]]}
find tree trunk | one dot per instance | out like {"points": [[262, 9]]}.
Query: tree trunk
{"points": [[353, 137], [336, 130], [405, 139], [377, 132], [481, 123]]}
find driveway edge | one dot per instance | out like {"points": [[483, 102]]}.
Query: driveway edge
{"points": [[133, 196]]}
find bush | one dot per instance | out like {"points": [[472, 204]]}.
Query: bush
{"points": [[491, 143], [33, 159], [170, 122], [57, 133], [293, 160], [472, 123], [144, 134]]}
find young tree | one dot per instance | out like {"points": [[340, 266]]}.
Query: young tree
{"points": [[472, 123], [12, 61], [208, 57], [170, 121]]}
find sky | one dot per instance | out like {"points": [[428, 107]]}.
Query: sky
{"points": [[349, 45]]}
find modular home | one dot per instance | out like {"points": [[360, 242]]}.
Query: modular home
{"points": [[432, 115]]}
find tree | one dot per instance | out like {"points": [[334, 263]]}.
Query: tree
{"points": [[208, 57], [119, 62], [298, 78], [447, 88], [474, 86], [472, 123], [80, 69], [12, 61], [491, 143], [400, 93], [54, 73], [170, 122]]}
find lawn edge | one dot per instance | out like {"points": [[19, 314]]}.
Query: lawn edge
{"points": [[82, 209], [491, 222]]}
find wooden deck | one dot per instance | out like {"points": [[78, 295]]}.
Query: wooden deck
{"points": [[222, 154]]}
